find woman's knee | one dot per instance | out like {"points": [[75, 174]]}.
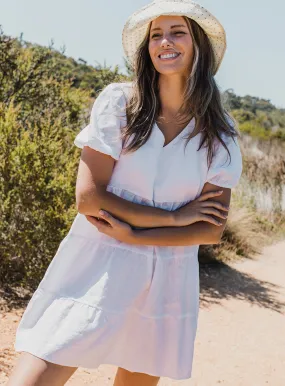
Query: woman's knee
{"points": [[33, 371], [129, 378]]}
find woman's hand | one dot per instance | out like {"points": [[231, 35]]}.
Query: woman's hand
{"points": [[201, 209], [112, 227]]}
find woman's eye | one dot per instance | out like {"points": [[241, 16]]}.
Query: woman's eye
{"points": [[175, 33]]}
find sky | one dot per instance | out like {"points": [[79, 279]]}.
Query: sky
{"points": [[254, 62]]}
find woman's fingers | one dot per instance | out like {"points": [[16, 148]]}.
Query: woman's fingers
{"points": [[207, 195], [109, 218], [92, 220], [214, 204], [210, 219], [213, 211], [100, 225]]}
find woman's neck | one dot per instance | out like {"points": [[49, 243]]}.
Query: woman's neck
{"points": [[171, 89]]}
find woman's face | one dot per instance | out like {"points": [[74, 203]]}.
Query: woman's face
{"points": [[171, 35]]}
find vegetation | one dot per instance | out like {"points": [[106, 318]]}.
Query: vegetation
{"points": [[257, 117], [45, 99]]}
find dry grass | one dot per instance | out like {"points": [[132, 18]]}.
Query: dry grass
{"points": [[257, 210]]}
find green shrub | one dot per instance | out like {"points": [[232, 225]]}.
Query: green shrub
{"points": [[39, 116], [255, 130]]}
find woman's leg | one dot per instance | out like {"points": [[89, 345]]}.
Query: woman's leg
{"points": [[33, 371], [127, 378]]}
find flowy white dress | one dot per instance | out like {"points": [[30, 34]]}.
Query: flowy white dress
{"points": [[102, 301]]}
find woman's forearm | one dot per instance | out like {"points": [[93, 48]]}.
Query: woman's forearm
{"points": [[195, 234], [137, 215]]}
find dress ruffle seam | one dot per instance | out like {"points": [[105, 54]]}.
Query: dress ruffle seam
{"points": [[58, 297]]}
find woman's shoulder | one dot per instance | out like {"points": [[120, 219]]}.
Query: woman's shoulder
{"points": [[118, 92], [119, 87]]}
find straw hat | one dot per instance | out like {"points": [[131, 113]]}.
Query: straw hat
{"points": [[136, 25]]}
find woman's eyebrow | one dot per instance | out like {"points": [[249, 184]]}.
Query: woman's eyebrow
{"points": [[173, 26]]}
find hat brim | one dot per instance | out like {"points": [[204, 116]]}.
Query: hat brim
{"points": [[136, 25]]}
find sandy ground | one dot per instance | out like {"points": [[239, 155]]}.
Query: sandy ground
{"points": [[241, 334]]}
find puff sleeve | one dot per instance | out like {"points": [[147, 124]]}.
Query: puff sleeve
{"points": [[225, 171], [104, 130]]}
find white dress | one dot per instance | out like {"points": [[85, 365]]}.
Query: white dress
{"points": [[102, 301]]}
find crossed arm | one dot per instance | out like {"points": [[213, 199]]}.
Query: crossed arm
{"points": [[162, 228], [195, 234]]}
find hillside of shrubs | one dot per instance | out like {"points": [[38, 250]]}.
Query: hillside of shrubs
{"points": [[45, 99]]}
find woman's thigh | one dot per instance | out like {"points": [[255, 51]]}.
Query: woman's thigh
{"points": [[128, 378], [33, 371]]}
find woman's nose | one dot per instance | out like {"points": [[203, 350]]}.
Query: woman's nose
{"points": [[165, 42]]}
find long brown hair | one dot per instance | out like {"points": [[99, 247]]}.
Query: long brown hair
{"points": [[202, 98]]}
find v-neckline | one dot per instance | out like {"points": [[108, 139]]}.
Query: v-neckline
{"points": [[175, 138]]}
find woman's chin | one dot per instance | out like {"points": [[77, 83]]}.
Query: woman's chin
{"points": [[170, 71]]}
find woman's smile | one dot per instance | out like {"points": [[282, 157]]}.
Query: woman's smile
{"points": [[169, 56]]}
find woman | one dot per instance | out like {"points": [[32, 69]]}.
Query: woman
{"points": [[160, 157]]}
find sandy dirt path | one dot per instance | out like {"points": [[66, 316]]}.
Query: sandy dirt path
{"points": [[241, 334]]}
